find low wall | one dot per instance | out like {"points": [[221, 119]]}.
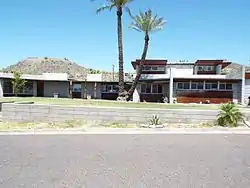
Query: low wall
{"points": [[35, 112]]}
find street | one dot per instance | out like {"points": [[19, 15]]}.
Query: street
{"points": [[124, 161]]}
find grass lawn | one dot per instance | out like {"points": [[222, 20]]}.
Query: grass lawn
{"points": [[106, 103]]}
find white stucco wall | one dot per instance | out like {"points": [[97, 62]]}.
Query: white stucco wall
{"points": [[52, 87], [247, 90], [136, 94], [237, 92], [1, 87]]}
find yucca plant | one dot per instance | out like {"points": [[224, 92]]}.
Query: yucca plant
{"points": [[155, 120], [230, 115]]}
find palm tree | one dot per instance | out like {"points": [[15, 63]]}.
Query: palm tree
{"points": [[147, 23], [119, 5], [230, 115]]}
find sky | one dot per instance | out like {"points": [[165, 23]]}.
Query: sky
{"points": [[195, 29]]}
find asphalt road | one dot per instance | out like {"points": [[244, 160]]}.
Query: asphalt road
{"points": [[123, 161]]}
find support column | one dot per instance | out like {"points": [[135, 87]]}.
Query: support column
{"points": [[1, 88], [243, 86], [95, 96], [171, 85], [34, 88], [70, 89], [82, 90], [85, 90]]}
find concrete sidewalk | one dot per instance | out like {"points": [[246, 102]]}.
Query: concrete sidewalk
{"points": [[238, 130]]}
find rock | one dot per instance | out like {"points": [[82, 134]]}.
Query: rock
{"points": [[144, 126], [160, 126], [152, 126]]}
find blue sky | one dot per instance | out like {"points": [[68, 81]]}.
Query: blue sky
{"points": [[214, 29]]}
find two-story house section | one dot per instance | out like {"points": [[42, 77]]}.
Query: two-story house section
{"points": [[214, 81]]}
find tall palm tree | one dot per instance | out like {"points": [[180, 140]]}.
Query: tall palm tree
{"points": [[147, 23], [119, 5]]}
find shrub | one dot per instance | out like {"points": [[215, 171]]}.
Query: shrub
{"points": [[155, 120], [229, 115]]}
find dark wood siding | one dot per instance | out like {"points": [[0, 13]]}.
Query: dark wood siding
{"points": [[247, 75], [109, 96], [215, 97], [151, 97]]}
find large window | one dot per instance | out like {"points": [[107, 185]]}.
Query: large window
{"points": [[110, 88], [201, 86], [183, 85], [77, 87], [211, 86], [206, 68], [8, 87], [225, 86], [151, 88], [153, 68], [197, 85], [28, 88]]}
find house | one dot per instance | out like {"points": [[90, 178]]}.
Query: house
{"points": [[213, 81], [202, 81], [95, 86]]}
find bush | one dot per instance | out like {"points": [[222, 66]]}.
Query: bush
{"points": [[229, 115], [155, 120]]}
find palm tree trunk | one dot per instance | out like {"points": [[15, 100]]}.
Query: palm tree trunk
{"points": [[120, 50], [139, 68]]}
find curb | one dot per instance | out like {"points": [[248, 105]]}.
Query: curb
{"points": [[129, 131]]}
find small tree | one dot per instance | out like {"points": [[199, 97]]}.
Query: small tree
{"points": [[17, 82]]}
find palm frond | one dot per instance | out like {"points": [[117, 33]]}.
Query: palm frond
{"points": [[146, 22], [114, 3], [104, 7]]}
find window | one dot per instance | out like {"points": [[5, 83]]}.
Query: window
{"points": [[148, 88], [109, 88], [28, 88], [151, 88], [183, 85], [211, 86], [153, 68], [194, 86], [200, 85], [206, 68], [77, 88], [208, 86], [224, 86], [155, 88], [143, 88], [7, 86], [229, 87], [214, 86]]}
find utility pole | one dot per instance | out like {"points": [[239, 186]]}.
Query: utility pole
{"points": [[113, 69]]}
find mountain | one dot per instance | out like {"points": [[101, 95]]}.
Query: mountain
{"points": [[36, 65]]}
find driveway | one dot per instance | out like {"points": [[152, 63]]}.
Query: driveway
{"points": [[124, 161]]}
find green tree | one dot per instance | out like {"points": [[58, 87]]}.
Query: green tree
{"points": [[17, 82], [230, 115], [119, 5], [147, 23]]}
